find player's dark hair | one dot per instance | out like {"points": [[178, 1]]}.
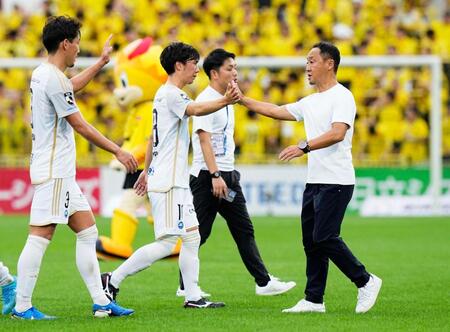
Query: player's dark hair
{"points": [[329, 51], [59, 28], [177, 52], [215, 60]]}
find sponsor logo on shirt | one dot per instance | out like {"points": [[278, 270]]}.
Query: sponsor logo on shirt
{"points": [[69, 97], [151, 171], [180, 225]]}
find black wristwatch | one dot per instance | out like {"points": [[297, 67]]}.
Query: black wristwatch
{"points": [[215, 175], [304, 146]]}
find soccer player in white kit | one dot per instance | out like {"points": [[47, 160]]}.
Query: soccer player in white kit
{"points": [[8, 285], [57, 198], [166, 176]]}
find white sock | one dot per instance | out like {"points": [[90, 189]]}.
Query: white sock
{"points": [[190, 265], [28, 270], [88, 265], [143, 258], [5, 277]]}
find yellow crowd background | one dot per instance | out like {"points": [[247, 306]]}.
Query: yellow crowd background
{"points": [[393, 103]]}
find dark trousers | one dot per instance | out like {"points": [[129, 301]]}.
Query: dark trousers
{"points": [[323, 210], [235, 214]]}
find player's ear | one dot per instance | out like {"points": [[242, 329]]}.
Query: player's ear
{"points": [[64, 44], [179, 66], [330, 64], [214, 74]]}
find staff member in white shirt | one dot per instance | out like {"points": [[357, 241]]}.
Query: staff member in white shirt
{"points": [[329, 116], [214, 182]]}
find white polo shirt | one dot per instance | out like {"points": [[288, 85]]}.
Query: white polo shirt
{"points": [[331, 165], [220, 125], [169, 166], [53, 144]]}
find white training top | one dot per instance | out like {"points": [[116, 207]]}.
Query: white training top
{"points": [[53, 151], [220, 125], [169, 166], [331, 165]]}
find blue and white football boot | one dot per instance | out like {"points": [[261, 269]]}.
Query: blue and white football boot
{"points": [[9, 297], [110, 310], [31, 314]]}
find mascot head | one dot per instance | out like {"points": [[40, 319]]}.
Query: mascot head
{"points": [[138, 72]]}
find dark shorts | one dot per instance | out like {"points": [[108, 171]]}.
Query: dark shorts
{"points": [[130, 179]]}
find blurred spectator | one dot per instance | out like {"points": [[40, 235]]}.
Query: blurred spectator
{"points": [[415, 141]]}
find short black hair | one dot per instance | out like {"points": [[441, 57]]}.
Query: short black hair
{"points": [[59, 28], [328, 50], [215, 60], [177, 52]]}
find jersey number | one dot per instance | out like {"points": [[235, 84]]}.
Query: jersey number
{"points": [[66, 204], [31, 117], [180, 212], [155, 128]]}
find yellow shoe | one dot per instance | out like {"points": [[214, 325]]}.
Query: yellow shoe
{"points": [[123, 232], [108, 249]]}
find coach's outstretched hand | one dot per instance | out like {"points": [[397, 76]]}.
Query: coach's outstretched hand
{"points": [[107, 50], [140, 186], [127, 160], [290, 153], [233, 94]]}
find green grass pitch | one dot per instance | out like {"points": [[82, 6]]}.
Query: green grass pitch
{"points": [[412, 256]]}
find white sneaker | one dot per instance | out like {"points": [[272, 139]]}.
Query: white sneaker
{"points": [[275, 287], [182, 293], [368, 294], [306, 306]]}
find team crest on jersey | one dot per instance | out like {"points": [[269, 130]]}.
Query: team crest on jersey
{"points": [[185, 97], [69, 97]]}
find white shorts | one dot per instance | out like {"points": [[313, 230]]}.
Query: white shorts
{"points": [[55, 201], [173, 212]]}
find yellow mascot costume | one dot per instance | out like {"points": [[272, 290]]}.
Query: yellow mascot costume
{"points": [[138, 74]]}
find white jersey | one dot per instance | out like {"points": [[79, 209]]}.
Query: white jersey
{"points": [[53, 144], [169, 166], [221, 127], [331, 165]]}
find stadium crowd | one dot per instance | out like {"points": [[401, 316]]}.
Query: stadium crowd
{"points": [[393, 104]]}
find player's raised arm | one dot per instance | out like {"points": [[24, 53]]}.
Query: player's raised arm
{"points": [[231, 96], [267, 109], [82, 79]]}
